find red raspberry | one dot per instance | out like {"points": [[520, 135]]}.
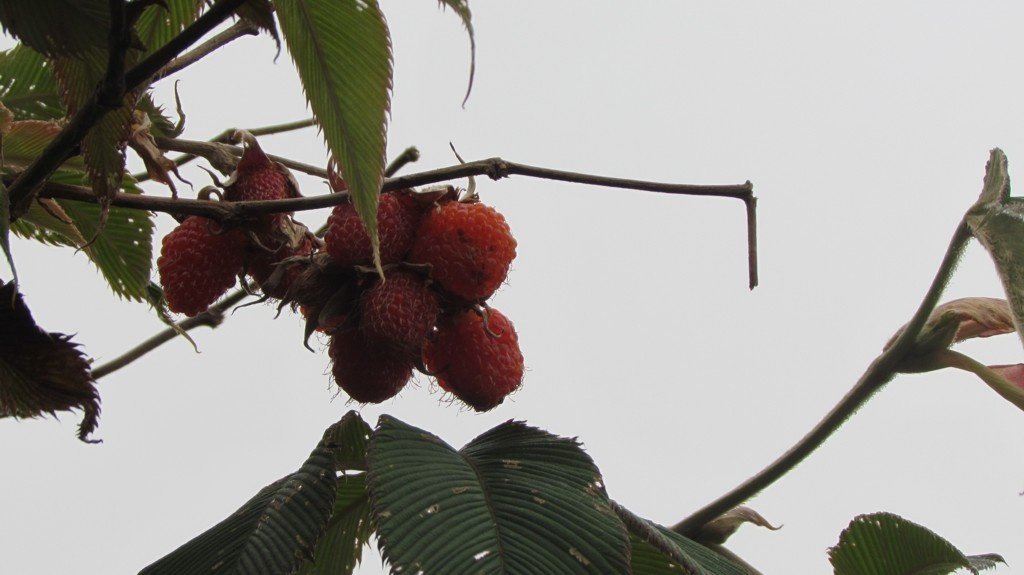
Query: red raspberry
{"points": [[401, 310], [257, 177], [469, 246], [480, 364], [398, 215], [365, 369], [198, 262]]}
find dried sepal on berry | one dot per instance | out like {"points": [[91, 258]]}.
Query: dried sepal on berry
{"points": [[257, 177]]}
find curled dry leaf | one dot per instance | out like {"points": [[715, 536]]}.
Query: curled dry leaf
{"points": [[41, 373], [718, 530], [158, 166], [959, 320]]}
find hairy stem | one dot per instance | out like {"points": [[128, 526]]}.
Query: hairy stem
{"points": [[27, 184], [226, 134], [881, 371], [210, 318], [234, 32]]}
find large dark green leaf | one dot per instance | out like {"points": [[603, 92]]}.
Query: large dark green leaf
{"points": [[461, 7], [40, 372], [342, 51], [887, 544], [646, 559], [514, 500], [341, 547], [27, 87], [271, 532], [57, 27]]}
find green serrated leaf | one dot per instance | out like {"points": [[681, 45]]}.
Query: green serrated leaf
{"points": [[997, 220], [341, 548], [25, 141], [27, 86], [887, 544], [103, 147], [352, 436], [514, 500], [124, 251], [461, 7], [342, 51], [159, 23], [58, 27], [271, 532]]}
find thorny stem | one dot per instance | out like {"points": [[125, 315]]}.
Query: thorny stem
{"points": [[236, 31], [880, 372], [210, 318], [25, 187]]}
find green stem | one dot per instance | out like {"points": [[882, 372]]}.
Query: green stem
{"points": [[880, 372]]}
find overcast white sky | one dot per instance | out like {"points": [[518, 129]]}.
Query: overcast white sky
{"points": [[865, 128]]}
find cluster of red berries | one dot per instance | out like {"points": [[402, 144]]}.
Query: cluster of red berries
{"points": [[201, 259], [442, 257]]}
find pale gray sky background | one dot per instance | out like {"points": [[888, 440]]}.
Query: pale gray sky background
{"points": [[865, 128]]}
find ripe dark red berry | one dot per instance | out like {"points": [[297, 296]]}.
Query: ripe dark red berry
{"points": [[365, 369], [198, 262], [401, 310], [257, 177], [480, 363], [469, 246], [398, 216]]}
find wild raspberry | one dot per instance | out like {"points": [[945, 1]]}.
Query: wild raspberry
{"points": [[469, 246], [401, 310], [398, 216], [365, 369], [198, 262], [257, 177], [479, 363]]}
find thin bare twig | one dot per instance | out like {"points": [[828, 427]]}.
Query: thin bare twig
{"points": [[222, 157], [24, 188], [880, 372], [408, 155], [210, 318], [232, 33]]}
